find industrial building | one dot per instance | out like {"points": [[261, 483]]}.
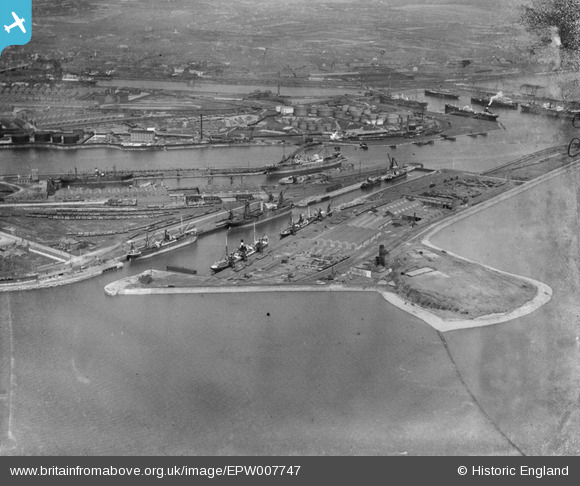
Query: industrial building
{"points": [[140, 135], [355, 234]]}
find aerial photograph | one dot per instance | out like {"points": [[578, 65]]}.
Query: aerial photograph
{"points": [[290, 228]]}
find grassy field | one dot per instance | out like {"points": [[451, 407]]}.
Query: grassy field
{"points": [[261, 38], [457, 288]]}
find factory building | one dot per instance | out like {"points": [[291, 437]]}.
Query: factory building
{"points": [[442, 202], [355, 234], [142, 136]]}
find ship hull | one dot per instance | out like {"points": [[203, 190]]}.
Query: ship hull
{"points": [[495, 103], [237, 257], [416, 105], [297, 168], [295, 227], [144, 253], [267, 216], [540, 110], [96, 181], [454, 110], [441, 94]]}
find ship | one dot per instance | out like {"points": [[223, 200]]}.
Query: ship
{"points": [[395, 171], [242, 253], [266, 212], [317, 176], [497, 101], [424, 142], [548, 109], [467, 111], [441, 93], [371, 182], [390, 99], [305, 220], [153, 247], [297, 225], [98, 178], [303, 164]]}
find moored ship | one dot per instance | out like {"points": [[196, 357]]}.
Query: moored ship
{"points": [[390, 99], [266, 212], [467, 111], [497, 101], [98, 178], [241, 254], [297, 225], [548, 109], [303, 164], [371, 182], [441, 93], [152, 247]]}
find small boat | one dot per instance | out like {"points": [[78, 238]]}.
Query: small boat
{"points": [[363, 146], [288, 180], [424, 142]]}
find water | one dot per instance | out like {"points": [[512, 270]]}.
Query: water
{"points": [[48, 161], [215, 374], [237, 374], [525, 372], [323, 373], [520, 134]]}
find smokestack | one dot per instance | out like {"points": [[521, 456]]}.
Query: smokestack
{"points": [[201, 127], [495, 97], [382, 258]]}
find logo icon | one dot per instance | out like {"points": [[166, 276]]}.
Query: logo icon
{"points": [[16, 17]]}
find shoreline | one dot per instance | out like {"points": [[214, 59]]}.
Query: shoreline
{"points": [[117, 146], [442, 325], [543, 291], [57, 281]]}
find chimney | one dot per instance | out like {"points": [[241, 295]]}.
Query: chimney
{"points": [[381, 260]]}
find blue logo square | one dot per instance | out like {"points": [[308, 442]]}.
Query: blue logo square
{"points": [[15, 22]]}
